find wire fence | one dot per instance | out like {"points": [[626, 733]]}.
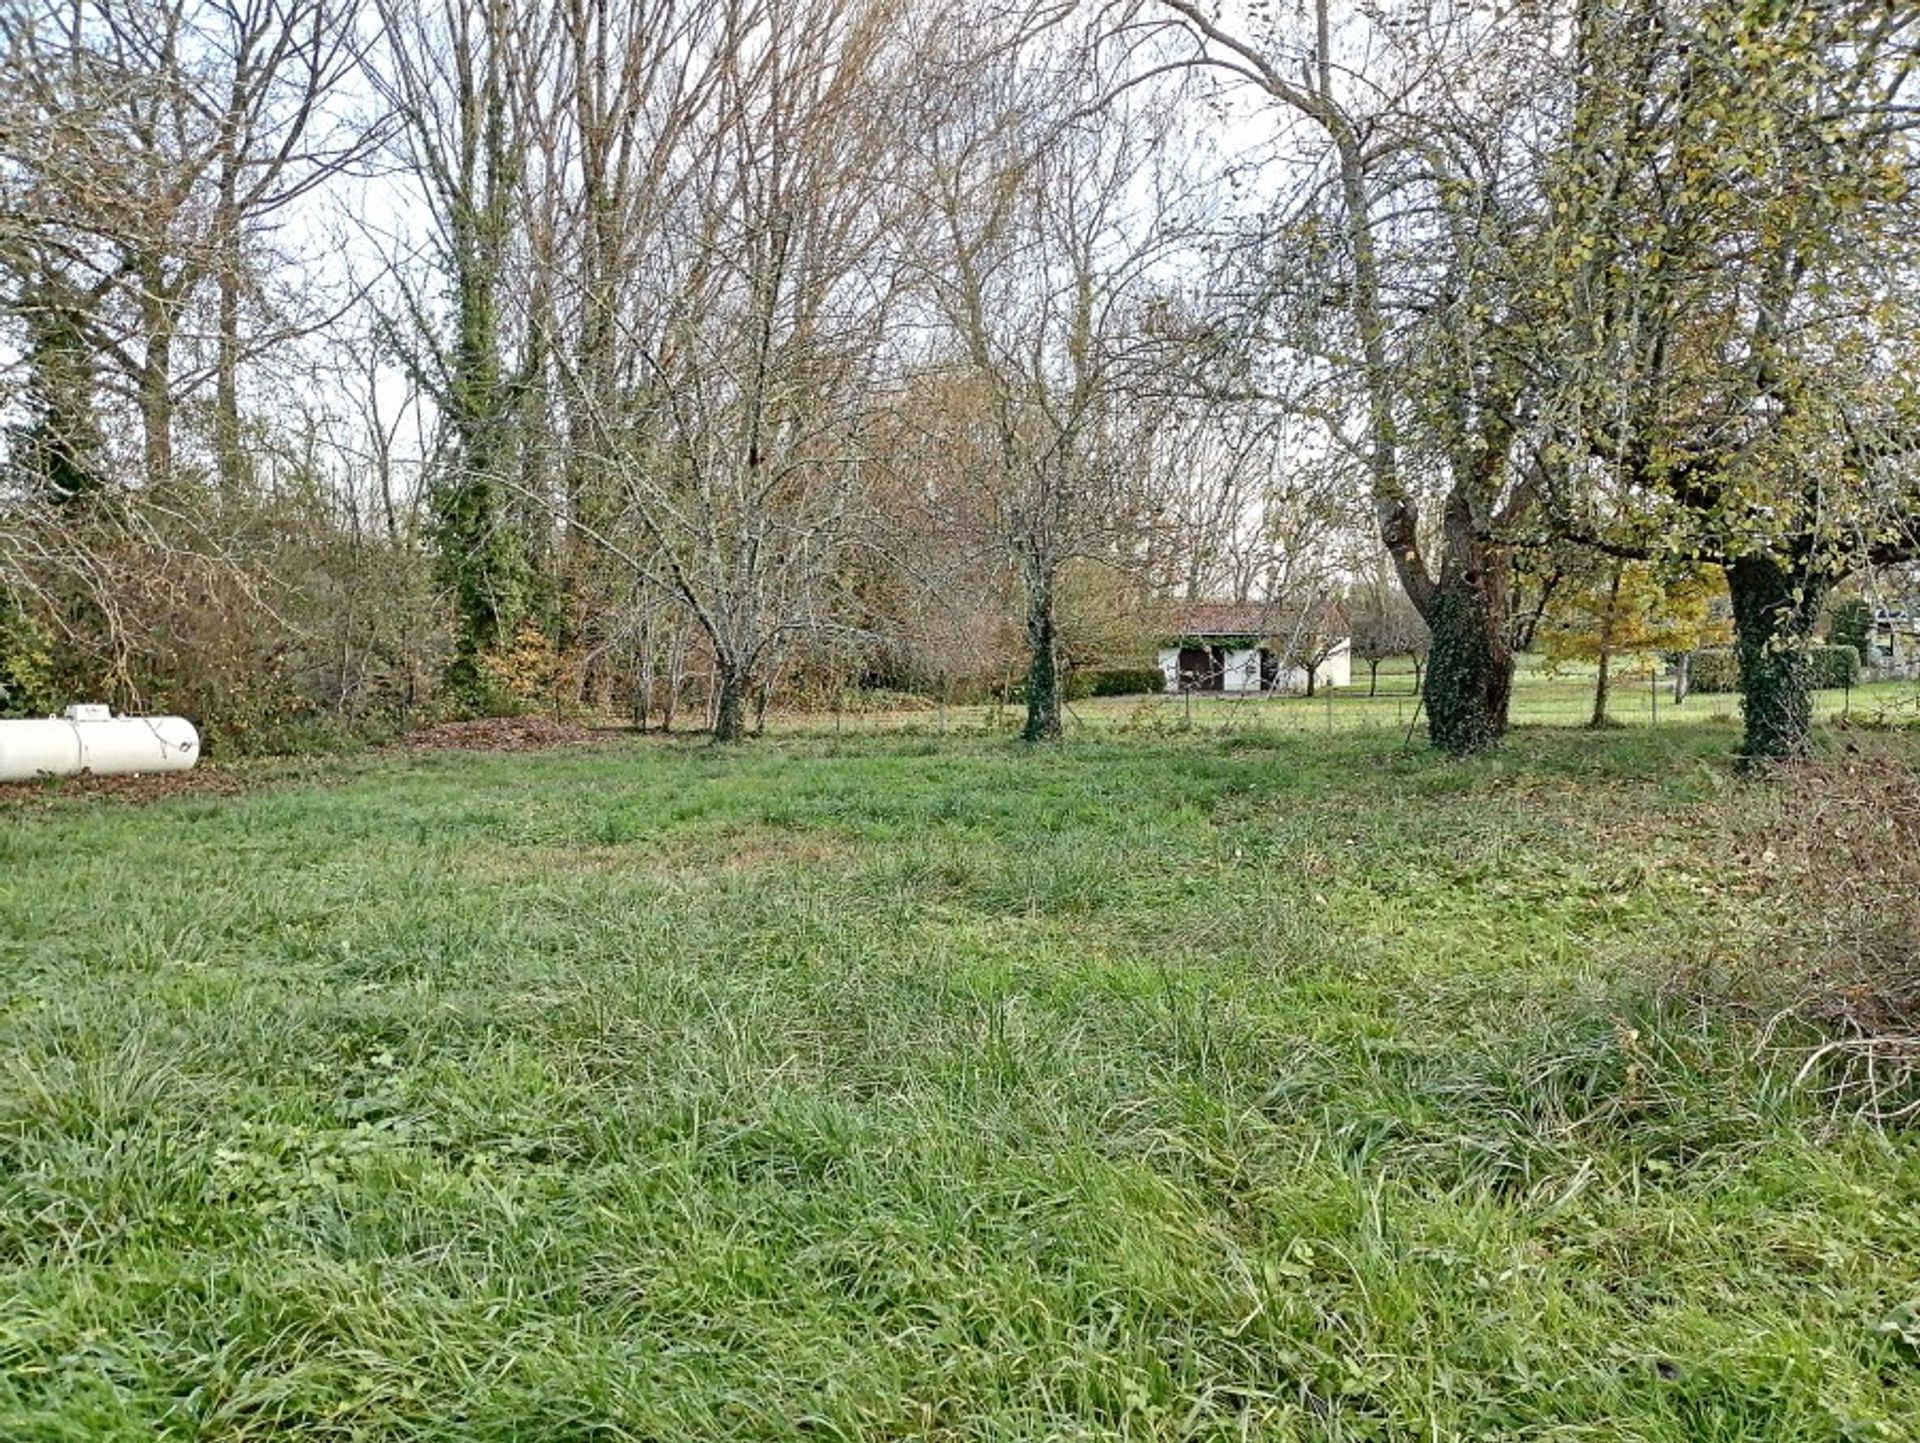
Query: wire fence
{"points": [[1563, 699]]}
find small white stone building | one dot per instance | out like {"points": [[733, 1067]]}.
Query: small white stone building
{"points": [[1247, 647], [1894, 648]]}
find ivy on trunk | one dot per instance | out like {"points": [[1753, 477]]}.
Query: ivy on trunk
{"points": [[1774, 608], [1045, 683]]}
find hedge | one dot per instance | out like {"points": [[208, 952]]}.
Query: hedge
{"points": [[1093, 681], [1126, 681], [1717, 668]]}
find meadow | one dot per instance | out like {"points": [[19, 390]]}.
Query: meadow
{"points": [[1212, 1083], [1542, 697]]}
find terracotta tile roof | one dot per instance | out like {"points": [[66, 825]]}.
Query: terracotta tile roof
{"points": [[1232, 618]]}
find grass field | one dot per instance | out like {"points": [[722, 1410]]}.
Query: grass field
{"points": [[1560, 698], [1158, 1086]]}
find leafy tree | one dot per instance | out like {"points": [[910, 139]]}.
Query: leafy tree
{"points": [[1624, 607], [1729, 382], [1850, 623]]}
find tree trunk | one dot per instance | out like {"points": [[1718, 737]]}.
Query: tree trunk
{"points": [[1311, 671], [1044, 682], [156, 409], [730, 710], [1598, 720], [1469, 682], [1682, 676], [1373, 678], [1773, 616], [643, 676], [676, 677], [229, 451]]}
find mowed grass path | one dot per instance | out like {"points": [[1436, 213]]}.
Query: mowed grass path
{"points": [[1197, 1087]]}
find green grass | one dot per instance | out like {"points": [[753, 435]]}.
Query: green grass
{"points": [[1197, 1086], [1560, 698]]}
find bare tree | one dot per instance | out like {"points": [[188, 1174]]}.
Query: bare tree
{"points": [[1384, 623], [741, 452], [152, 144], [1423, 128], [1052, 231]]}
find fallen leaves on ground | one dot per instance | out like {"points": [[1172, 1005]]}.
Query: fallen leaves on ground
{"points": [[501, 734]]}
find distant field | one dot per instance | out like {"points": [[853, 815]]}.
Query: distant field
{"points": [[1540, 698], [1178, 1086]]}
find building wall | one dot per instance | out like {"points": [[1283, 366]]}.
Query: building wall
{"points": [[1243, 670], [1240, 670], [1337, 669], [1170, 666], [1895, 648]]}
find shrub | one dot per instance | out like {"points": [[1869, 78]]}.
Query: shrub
{"points": [[1717, 668], [1714, 669], [25, 663], [1083, 682], [1077, 686], [531, 672], [1850, 624], [1835, 666], [1126, 681]]}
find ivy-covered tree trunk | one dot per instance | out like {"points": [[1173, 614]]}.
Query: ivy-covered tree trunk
{"points": [[474, 559], [1774, 608], [1469, 681], [1045, 683], [467, 128], [58, 454], [478, 560]]}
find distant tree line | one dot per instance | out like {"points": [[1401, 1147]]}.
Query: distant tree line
{"points": [[365, 359]]}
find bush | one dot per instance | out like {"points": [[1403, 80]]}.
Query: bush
{"points": [[1714, 669], [1717, 668], [1126, 681], [25, 663], [1850, 624], [1835, 666], [1092, 681]]}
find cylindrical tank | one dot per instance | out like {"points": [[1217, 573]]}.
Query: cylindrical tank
{"points": [[90, 739]]}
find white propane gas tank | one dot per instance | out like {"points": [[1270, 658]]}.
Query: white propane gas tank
{"points": [[92, 739]]}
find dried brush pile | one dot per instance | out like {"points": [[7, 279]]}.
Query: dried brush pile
{"points": [[1842, 853]]}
